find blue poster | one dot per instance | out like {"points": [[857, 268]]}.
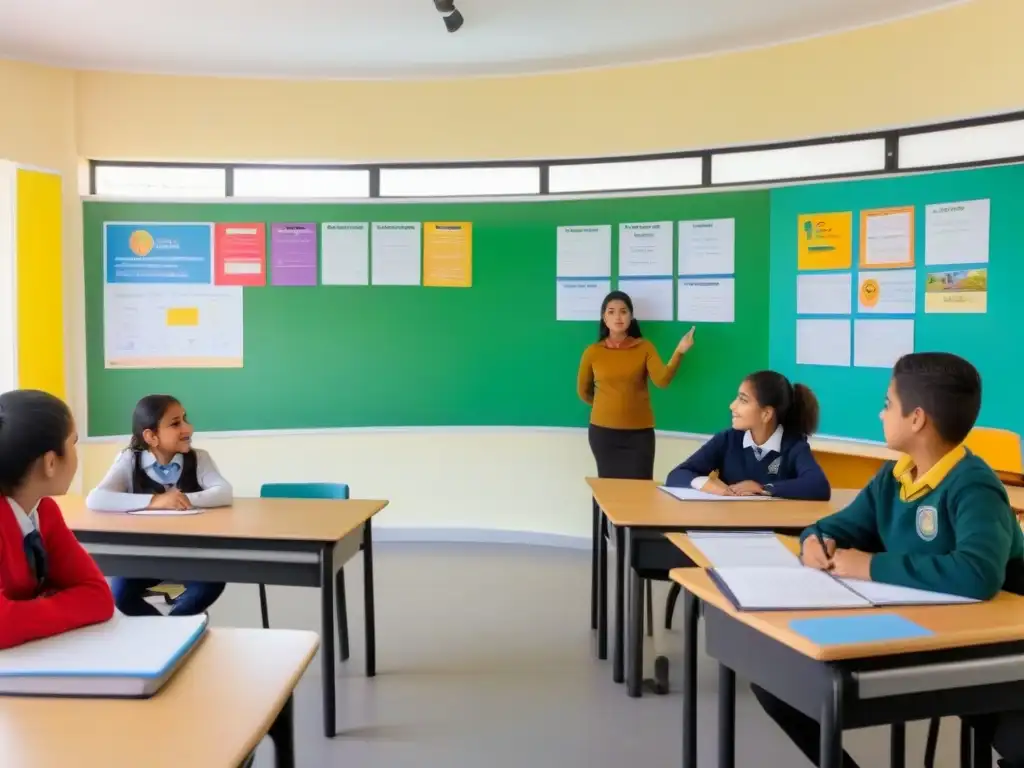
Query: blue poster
{"points": [[159, 253]]}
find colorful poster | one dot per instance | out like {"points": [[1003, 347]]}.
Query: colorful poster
{"points": [[645, 250], [825, 240], [957, 233], [448, 254], [887, 292], [240, 254], [158, 253], [293, 254], [958, 291], [345, 253], [189, 326], [887, 238]]}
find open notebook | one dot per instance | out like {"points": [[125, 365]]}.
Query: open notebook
{"points": [[689, 494], [757, 573], [126, 657]]}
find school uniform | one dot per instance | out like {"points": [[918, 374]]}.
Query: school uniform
{"points": [[129, 486], [614, 381], [950, 530], [48, 583], [783, 465]]}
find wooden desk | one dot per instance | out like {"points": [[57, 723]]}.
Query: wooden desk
{"points": [[1016, 494], [972, 664], [640, 514], [235, 689], [292, 542]]}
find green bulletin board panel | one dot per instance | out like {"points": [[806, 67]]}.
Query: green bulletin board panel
{"points": [[851, 398], [391, 356]]}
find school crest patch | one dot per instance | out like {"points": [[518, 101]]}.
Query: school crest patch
{"points": [[927, 523], [773, 468]]}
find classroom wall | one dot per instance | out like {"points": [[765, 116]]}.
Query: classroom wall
{"points": [[951, 63], [944, 65], [37, 128]]}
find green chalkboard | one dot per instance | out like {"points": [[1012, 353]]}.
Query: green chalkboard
{"points": [[490, 355]]}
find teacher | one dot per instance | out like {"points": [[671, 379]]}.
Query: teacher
{"points": [[613, 380]]}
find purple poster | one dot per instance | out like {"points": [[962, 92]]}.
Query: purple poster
{"points": [[293, 254]]}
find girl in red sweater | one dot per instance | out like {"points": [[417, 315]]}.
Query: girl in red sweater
{"points": [[48, 583]]}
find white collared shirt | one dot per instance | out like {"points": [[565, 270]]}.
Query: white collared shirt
{"points": [[115, 493], [773, 443], [27, 521]]}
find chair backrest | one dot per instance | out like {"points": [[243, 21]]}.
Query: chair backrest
{"points": [[304, 491], [1000, 448]]}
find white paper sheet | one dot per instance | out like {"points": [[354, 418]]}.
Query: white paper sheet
{"points": [[794, 589], [150, 325], [396, 253], [645, 249], [825, 294], [753, 549], [889, 239], [957, 233], [652, 298], [890, 594], [691, 494], [584, 251], [880, 343], [580, 299], [823, 342], [707, 300], [707, 247], [887, 292], [345, 253]]}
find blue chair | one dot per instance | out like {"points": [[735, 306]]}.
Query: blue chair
{"points": [[337, 491]]}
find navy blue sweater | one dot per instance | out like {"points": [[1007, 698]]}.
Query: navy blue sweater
{"points": [[792, 474]]}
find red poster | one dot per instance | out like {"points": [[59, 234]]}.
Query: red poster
{"points": [[240, 254]]}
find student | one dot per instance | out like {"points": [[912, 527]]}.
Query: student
{"points": [[48, 582], [936, 519], [613, 379], [161, 470], [766, 451]]}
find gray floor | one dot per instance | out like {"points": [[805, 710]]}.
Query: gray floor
{"points": [[485, 661]]}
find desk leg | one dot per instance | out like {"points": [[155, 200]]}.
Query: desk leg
{"points": [[282, 733], [596, 529], [727, 717], [635, 613], [898, 745], [620, 605], [602, 589], [690, 619], [327, 637], [368, 608], [831, 746]]}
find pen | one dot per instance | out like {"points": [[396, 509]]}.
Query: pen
{"points": [[821, 541]]}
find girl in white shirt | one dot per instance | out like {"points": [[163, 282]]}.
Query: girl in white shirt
{"points": [[161, 470]]}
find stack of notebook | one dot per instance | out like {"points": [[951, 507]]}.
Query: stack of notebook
{"points": [[126, 657], [756, 572]]}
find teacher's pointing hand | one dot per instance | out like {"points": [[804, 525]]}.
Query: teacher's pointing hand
{"points": [[686, 342]]}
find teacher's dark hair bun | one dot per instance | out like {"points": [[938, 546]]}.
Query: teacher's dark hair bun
{"points": [[32, 424]]}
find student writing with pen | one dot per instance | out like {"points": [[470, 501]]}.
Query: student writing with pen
{"points": [[938, 519]]}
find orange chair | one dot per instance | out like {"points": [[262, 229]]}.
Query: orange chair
{"points": [[1000, 448]]}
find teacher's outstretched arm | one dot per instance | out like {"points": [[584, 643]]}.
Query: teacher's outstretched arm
{"points": [[662, 374]]}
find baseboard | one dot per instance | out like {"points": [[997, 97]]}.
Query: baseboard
{"points": [[478, 536]]}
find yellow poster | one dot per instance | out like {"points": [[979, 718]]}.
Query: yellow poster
{"points": [[448, 254], [962, 291], [825, 240]]}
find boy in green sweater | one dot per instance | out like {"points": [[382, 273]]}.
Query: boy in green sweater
{"points": [[937, 519]]}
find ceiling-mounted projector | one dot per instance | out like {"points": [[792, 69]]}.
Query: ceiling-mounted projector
{"points": [[452, 18]]}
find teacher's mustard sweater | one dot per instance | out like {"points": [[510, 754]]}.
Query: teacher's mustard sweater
{"points": [[614, 382]]}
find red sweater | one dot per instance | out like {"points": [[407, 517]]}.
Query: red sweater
{"points": [[76, 592]]}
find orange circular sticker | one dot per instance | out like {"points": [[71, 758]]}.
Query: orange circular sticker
{"points": [[869, 293]]}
